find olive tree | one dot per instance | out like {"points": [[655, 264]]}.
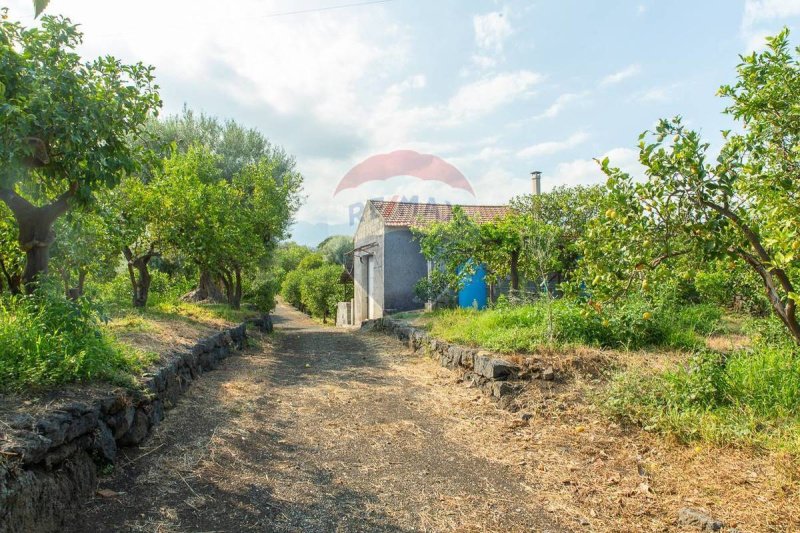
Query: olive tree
{"points": [[65, 127], [744, 205], [235, 147]]}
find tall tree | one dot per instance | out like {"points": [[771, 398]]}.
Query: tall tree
{"points": [[65, 127]]}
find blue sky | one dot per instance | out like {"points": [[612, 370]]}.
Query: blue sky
{"points": [[498, 89]]}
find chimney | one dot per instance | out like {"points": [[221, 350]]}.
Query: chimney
{"points": [[536, 181]]}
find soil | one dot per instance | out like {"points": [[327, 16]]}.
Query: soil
{"points": [[316, 429]]}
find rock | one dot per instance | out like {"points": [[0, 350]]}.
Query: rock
{"points": [[467, 358], [29, 447], [501, 389], [549, 374], [54, 427], [156, 413], [103, 444], [113, 404], [697, 519], [21, 421], [121, 422], [81, 426], [40, 499], [65, 451], [491, 368], [138, 431]]}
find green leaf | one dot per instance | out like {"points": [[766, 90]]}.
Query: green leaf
{"points": [[39, 6], [794, 296]]}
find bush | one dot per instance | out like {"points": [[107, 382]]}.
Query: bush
{"points": [[46, 340], [320, 290], [290, 289], [262, 293], [750, 397]]}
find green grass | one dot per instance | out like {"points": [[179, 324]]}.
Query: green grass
{"points": [[749, 397], [46, 341], [202, 312], [523, 329]]}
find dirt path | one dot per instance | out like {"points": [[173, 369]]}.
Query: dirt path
{"points": [[324, 430]]}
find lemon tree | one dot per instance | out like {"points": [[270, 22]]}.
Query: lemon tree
{"points": [[742, 206]]}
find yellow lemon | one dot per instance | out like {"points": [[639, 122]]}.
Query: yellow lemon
{"points": [[647, 315]]}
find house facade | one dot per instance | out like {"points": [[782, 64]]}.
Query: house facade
{"points": [[387, 261]]}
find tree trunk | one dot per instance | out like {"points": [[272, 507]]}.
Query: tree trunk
{"points": [[515, 270], [237, 290], [14, 281], [140, 286], [73, 293], [233, 288], [36, 230], [208, 288]]}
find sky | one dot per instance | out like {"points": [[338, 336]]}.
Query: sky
{"points": [[497, 89]]}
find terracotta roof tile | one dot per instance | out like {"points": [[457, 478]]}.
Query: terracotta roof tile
{"points": [[415, 214]]}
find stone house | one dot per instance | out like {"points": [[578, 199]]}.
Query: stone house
{"points": [[387, 261]]}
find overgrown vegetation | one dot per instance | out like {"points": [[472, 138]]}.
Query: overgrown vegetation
{"points": [[633, 325], [748, 396], [47, 340]]}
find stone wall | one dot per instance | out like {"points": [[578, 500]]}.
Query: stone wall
{"points": [[495, 376], [49, 464]]}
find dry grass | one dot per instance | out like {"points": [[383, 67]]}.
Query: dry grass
{"points": [[591, 471]]}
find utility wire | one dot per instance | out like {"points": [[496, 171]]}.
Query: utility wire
{"points": [[330, 8]]}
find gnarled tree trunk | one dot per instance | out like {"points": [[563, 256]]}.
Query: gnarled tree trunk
{"points": [[35, 230], [233, 287], [140, 285]]}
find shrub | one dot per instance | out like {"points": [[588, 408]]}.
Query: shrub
{"points": [[290, 289], [320, 290], [748, 397], [46, 340], [262, 293]]}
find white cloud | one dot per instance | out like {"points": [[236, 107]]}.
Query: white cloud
{"points": [[619, 76], [553, 147], [658, 95], [492, 30], [587, 171], [559, 104], [484, 96], [758, 12]]}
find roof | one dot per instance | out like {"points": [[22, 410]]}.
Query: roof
{"points": [[416, 214]]}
